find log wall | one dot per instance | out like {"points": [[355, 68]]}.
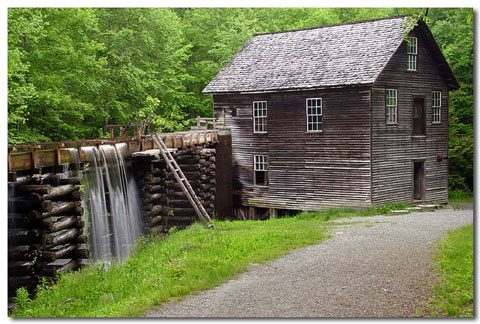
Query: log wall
{"points": [[45, 229], [165, 205], [393, 147]]}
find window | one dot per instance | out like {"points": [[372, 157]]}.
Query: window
{"points": [[261, 170], [412, 54], [314, 115], [259, 116], [436, 107], [391, 106]]}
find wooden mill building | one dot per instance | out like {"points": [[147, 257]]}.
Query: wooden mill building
{"points": [[345, 115]]}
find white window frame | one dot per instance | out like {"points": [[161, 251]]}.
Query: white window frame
{"points": [[318, 115], [259, 117], [391, 110], [260, 163], [412, 51], [436, 107]]}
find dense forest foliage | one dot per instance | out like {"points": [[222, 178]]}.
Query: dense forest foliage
{"points": [[72, 71]]}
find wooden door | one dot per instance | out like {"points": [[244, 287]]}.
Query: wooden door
{"points": [[418, 180], [418, 117]]}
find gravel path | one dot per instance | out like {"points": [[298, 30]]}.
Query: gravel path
{"points": [[379, 268]]}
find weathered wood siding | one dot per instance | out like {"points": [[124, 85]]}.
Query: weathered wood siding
{"points": [[393, 147], [307, 171]]}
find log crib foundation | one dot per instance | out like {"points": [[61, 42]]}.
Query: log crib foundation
{"points": [[165, 205], [45, 228]]}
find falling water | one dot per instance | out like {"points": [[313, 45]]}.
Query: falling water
{"points": [[68, 171], [116, 220], [95, 200], [76, 157]]}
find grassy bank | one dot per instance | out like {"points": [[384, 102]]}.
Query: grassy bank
{"points": [[456, 196], [183, 262], [453, 295]]}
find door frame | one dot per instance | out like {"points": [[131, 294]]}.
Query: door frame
{"points": [[422, 190], [422, 97]]}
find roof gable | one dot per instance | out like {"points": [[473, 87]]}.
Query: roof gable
{"points": [[437, 55], [329, 56]]}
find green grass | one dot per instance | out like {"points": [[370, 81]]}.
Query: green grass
{"points": [[453, 294], [181, 263], [336, 213], [456, 196]]}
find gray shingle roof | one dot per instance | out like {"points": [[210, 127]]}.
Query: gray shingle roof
{"points": [[339, 55]]}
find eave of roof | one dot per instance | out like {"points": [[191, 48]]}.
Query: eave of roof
{"points": [[340, 86]]}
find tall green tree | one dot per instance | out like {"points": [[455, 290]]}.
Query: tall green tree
{"points": [[72, 71], [453, 30]]}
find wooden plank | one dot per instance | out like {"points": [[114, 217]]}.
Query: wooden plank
{"points": [[34, 156], [394, 148], [306, 170]]}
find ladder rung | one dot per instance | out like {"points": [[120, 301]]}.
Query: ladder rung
{"points": [[186, 187]]}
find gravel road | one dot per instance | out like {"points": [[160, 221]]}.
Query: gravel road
{"points": [[378, 268]]}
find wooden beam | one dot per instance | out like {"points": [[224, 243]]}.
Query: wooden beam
{"points": [[35, 156]]}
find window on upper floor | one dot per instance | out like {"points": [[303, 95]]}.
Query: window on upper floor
{"points": [[436, 107], [259, 116], [260, 166], [391, 109], [314, 115], [412, 54]]}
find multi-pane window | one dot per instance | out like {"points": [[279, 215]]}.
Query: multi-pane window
{"points": [[391, 106], [259, 116], [261, 170], [436, 106], [412, 54], [314, 115]]}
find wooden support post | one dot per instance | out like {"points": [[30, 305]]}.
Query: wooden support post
{"points": [[251, 213], [224, 191], [58, 157], [34, 158], [12, 176], [9, 159], [139, 132], [273, 213], [112, 134], [80, 153]]}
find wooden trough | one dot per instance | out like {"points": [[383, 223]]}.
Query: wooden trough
{"points": [[34, 156]]}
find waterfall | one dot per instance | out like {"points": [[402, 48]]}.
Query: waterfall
{"points": [[112, 202], [68, 172]]}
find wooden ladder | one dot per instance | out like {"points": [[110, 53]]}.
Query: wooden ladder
{"points": [[183, 181]]}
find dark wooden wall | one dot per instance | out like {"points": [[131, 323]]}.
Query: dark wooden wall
{"points": [[307, 171], [393, 147]]}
